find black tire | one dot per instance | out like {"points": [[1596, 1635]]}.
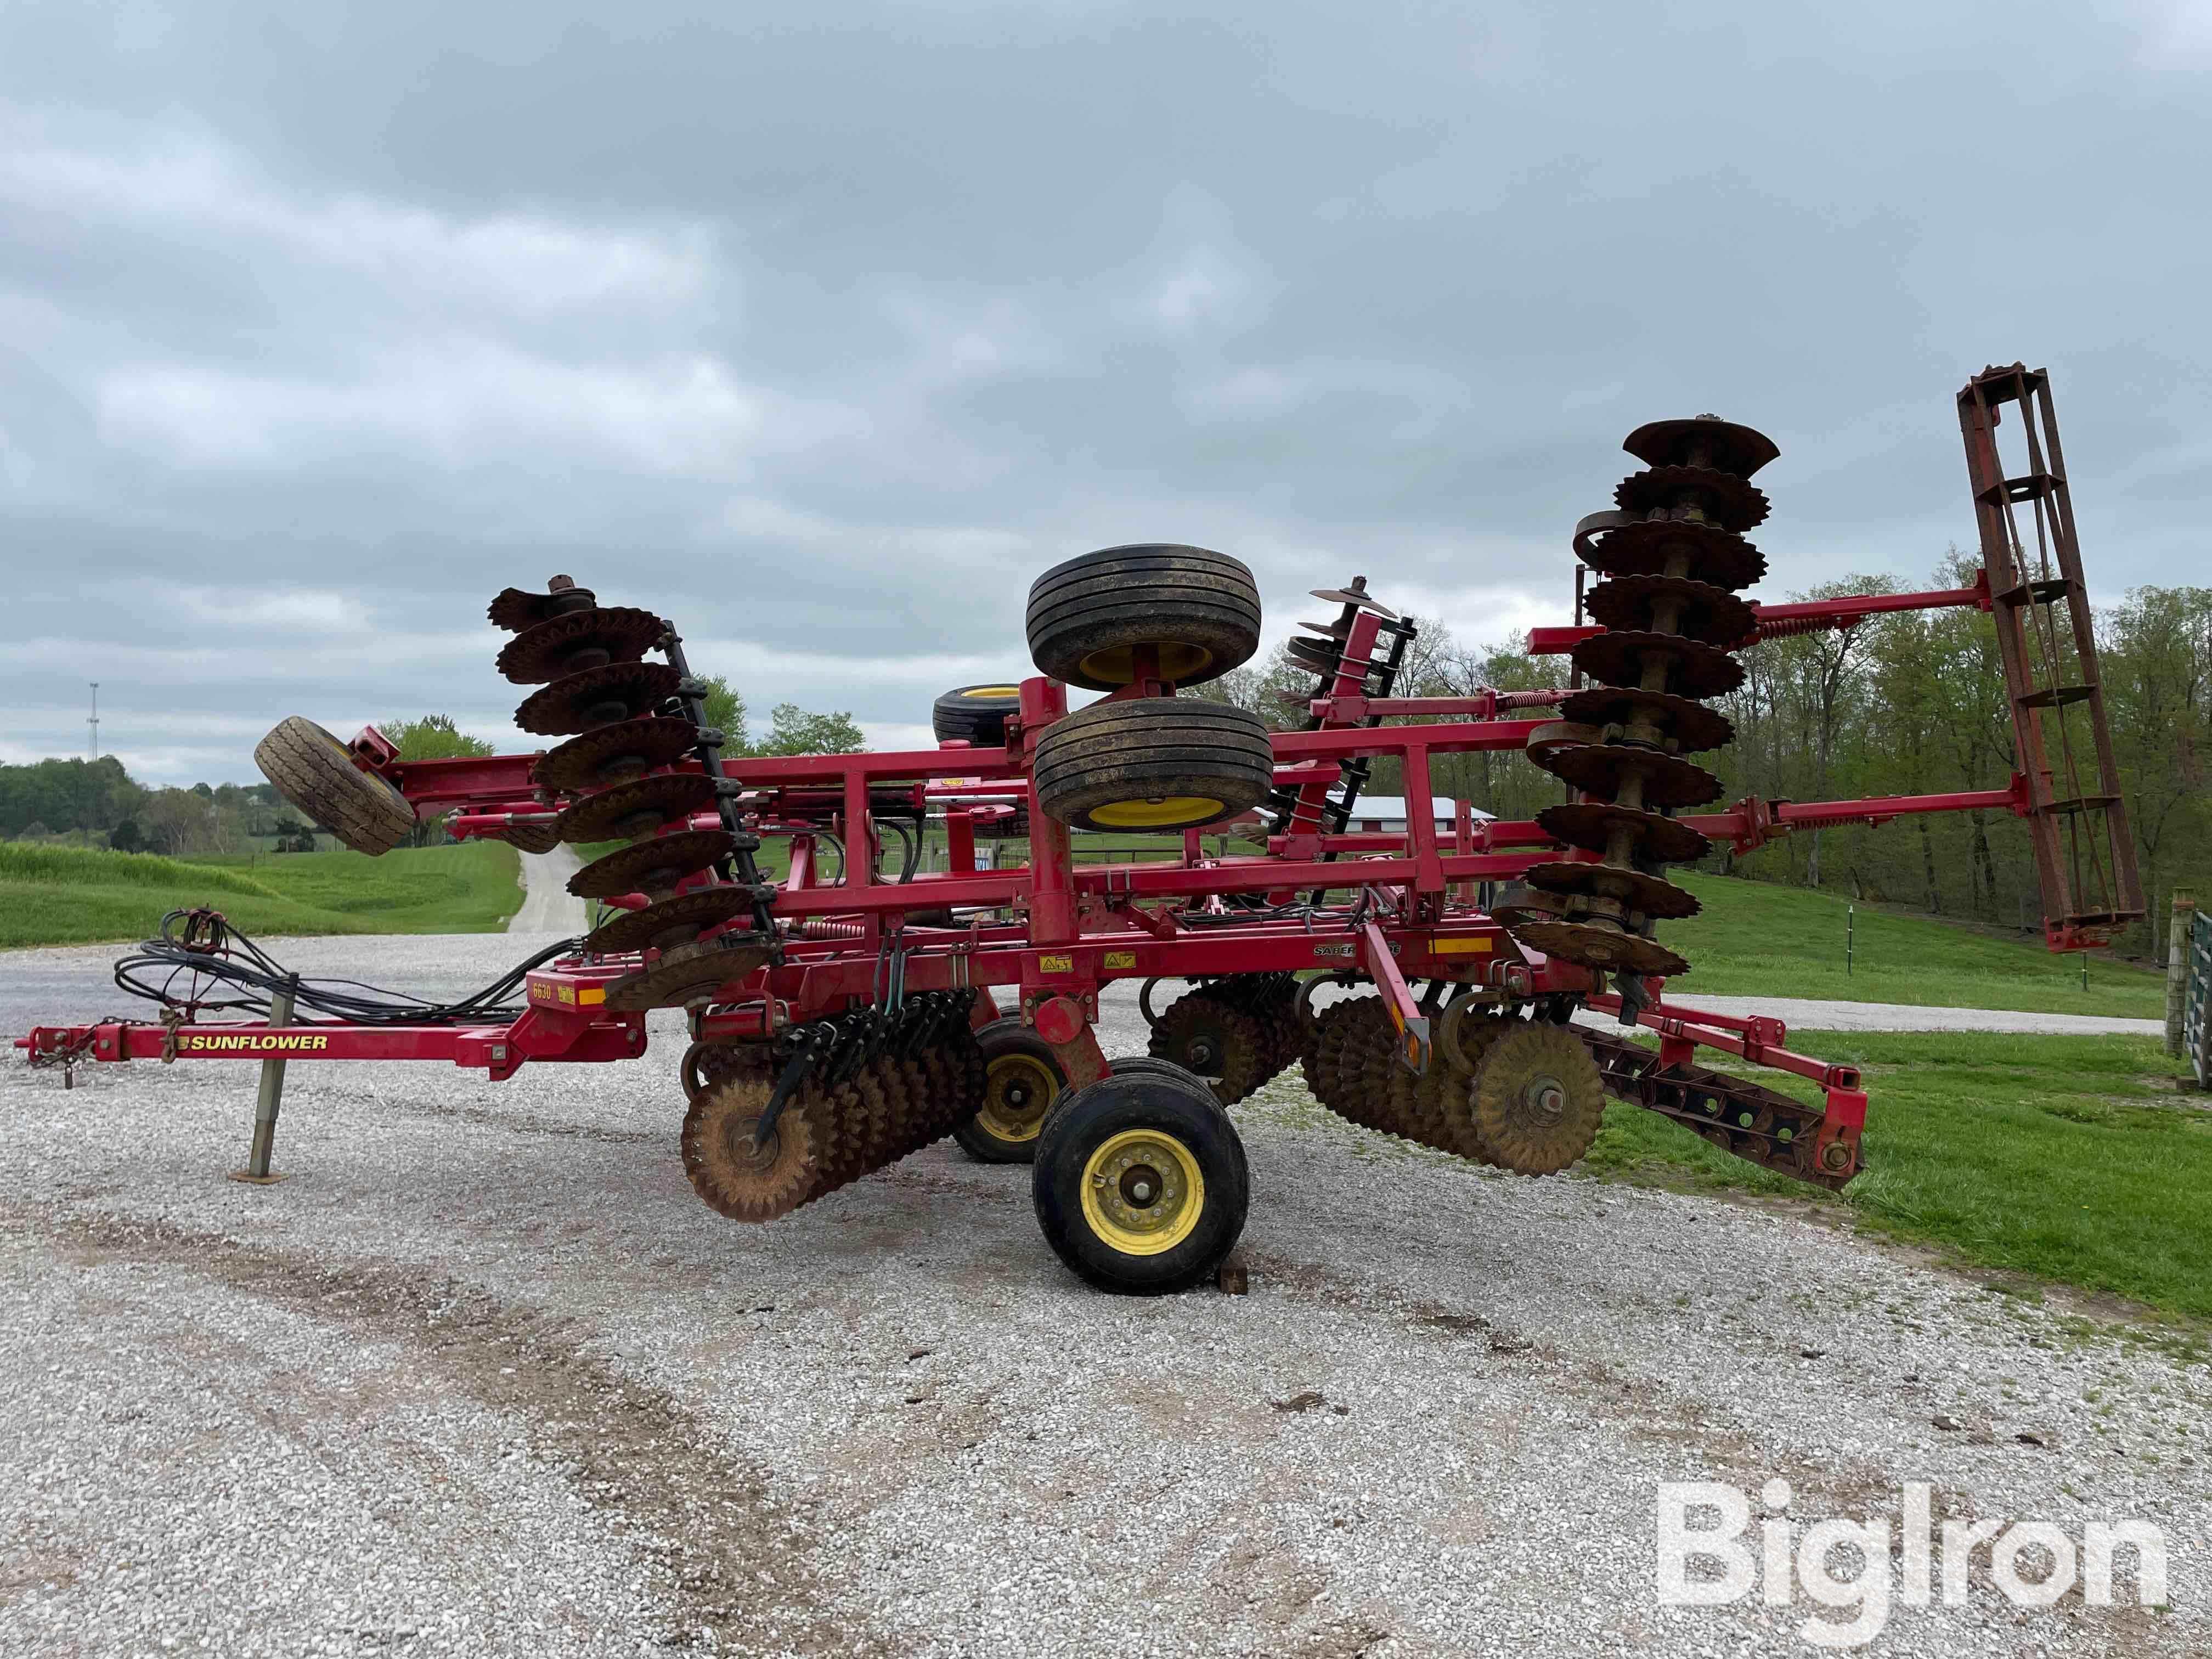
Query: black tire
{"points": [[1199, 610], [1183, 1078], [315, 772], [1160, 1167], [1005, 1126], [1153, 763], [975, 713]]}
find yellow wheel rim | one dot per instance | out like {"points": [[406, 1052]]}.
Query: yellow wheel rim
{"points": [[1142, 1192], [1160, 812], [1118, 665], [1018, 1090], [993, 691]]}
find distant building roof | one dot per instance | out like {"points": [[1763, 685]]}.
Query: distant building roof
{"points": [[1393, 806]]}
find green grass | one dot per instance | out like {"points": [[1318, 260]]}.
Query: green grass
{"points": [[1755, 938], [2073, 1160], [66, 895]]}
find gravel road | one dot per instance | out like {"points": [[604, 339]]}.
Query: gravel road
{"points": [[549, 907], [483, 1377]]}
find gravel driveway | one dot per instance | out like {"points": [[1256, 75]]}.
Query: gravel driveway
{"points": [[484, 1377]]}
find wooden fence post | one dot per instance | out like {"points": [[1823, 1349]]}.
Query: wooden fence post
{"points": [[2177, 964]]}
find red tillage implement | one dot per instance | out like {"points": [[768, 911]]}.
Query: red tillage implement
{"points": [[864, 1006]]}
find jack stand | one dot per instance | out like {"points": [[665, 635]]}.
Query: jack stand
{"points": [[272, 1097]]}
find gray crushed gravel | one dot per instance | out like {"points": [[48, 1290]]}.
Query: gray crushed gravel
{"points": [[483, 1377]]}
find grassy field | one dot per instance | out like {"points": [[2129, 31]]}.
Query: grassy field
{"points": [[1754, 939], [65, 895], [2076, 1159]]}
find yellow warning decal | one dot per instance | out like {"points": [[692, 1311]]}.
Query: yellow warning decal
{"points": [[1120, 959], [1471, 945], [591, 995], [1055, 964], [214, 1044]]}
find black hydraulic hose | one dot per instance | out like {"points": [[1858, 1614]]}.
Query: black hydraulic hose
{"points": [[223, 968]]}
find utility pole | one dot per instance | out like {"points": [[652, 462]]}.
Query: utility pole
{"points": [[94, 723]]}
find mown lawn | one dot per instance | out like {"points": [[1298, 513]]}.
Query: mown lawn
{"points": [[2077, 1159], [65, 895], [1754, 939]]}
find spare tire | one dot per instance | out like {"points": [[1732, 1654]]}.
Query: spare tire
{"points": [[1198, 611], [1164, 763], [975, 713], [315, 772]]}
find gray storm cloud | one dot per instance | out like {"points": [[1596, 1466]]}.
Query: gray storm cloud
{"points": [[822, 330]]}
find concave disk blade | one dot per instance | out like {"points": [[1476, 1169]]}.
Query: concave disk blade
{"points": [[1705, 552], [688, 973], [672, 921], [1657, 898], [1590, 825], [597, 696], [1591, 946], [519, 608], [615, 754], [1704, 440], [569, 643], [1693, 726], [1693, 670], [661, 862], [1710, 615], [1722, 498], [1602, 769], [638, 807]]}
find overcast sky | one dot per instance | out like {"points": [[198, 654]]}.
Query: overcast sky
{"points": [[822, 329]]}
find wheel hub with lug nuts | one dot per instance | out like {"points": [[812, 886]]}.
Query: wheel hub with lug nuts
{"points": [[1143, 1192]]}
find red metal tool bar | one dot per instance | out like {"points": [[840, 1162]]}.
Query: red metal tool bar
{"points": [[1808, 615], [498, 1049], [1712, 1031]]}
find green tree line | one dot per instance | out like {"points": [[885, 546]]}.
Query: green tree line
{"points": [[1910, 703]]}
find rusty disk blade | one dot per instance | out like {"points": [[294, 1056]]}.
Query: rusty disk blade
{"points": [[518, 608], [1329, 629], [1552, 736], [1721, 498], [597, 696], [571, 643], [1589, 945], [1520, 904], [639, 808], [1690, 725], [1705, 440], [1314, 656], [672, 921], [1693, 670], [661, 862], [736, 1178], [1701, 552], [688, 973], [1590, 824], [1604, 769], [1710, 615], [1358, 596], [1657, 898], [615, 754]]}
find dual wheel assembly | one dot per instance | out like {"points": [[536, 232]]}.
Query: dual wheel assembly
{"points": [[1117, 621]]}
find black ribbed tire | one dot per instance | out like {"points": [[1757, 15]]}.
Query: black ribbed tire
{"points": [[1199, 610], [1140, 1185], [975, 713], [315, 772], [1153, 763]]}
